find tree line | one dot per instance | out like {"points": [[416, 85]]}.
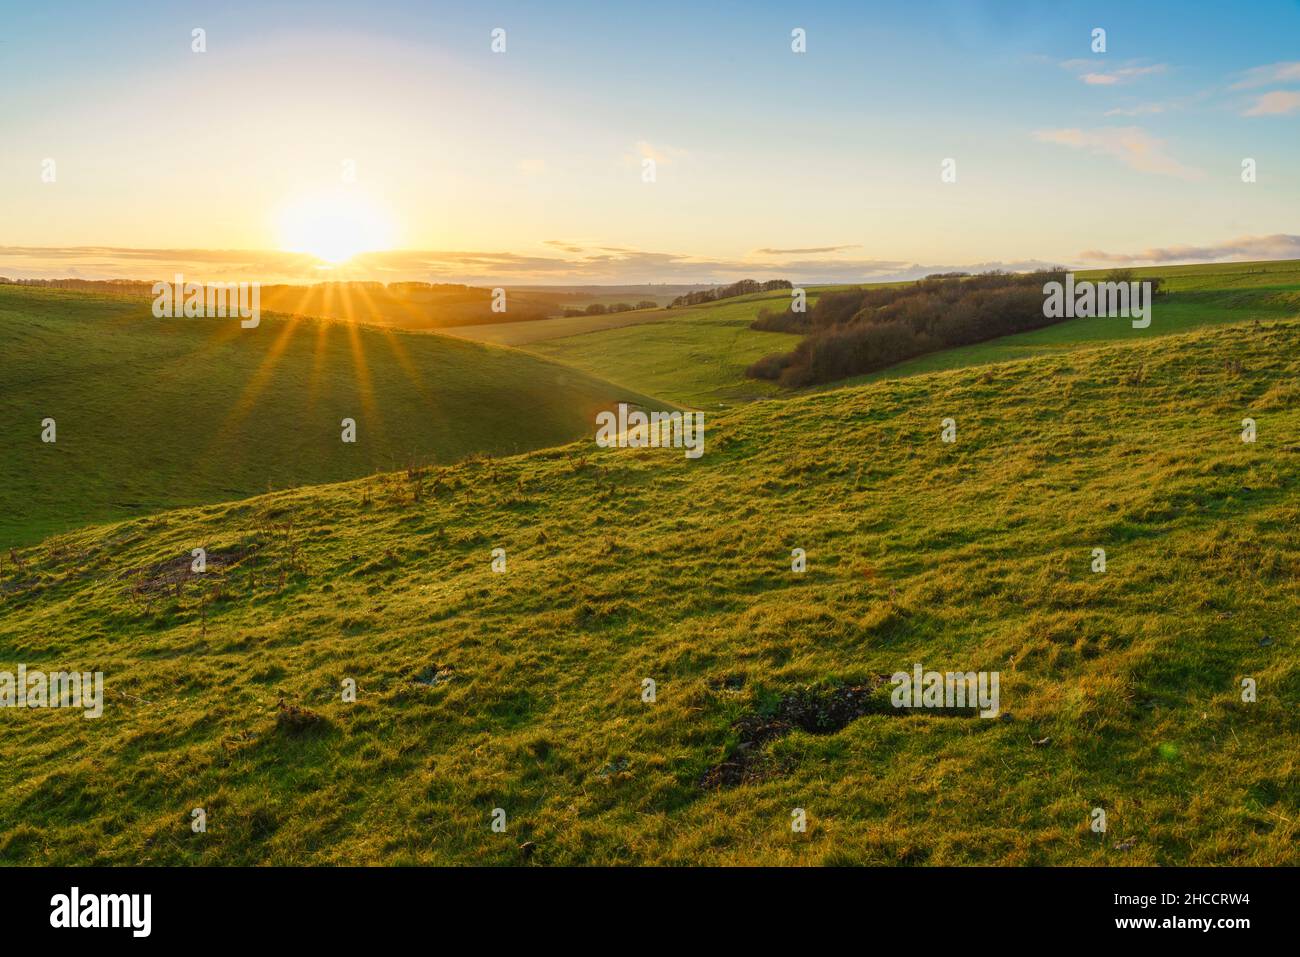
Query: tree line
{"points": [[601, 309], [742, 288], [866, 329]]}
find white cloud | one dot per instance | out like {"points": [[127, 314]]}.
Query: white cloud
{"points": [[1131, 145], [1122, 74], [662, 155], [1241, 249], [1277, 103], [1142, 109], [585, 266], [1288, 72], [804, 251]]}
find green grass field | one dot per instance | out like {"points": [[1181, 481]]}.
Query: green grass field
{"points": [[154, 413], [1281, 274], [539, 330], [1199, 296], [523, 690], [699, 357], [692, 356]]}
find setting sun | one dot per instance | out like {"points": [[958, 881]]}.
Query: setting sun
{"points": [[334, 226]]}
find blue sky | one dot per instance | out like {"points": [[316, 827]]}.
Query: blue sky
{"points": [[527, 166]]}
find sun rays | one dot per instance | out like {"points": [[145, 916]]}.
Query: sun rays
{"points": [[342, 342]]}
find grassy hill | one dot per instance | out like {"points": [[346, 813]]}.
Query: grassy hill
{"points": [[404, 305], [154, 413], [522, 690], [1199, 295], [557, 327], [698, 356], [693, 356]]}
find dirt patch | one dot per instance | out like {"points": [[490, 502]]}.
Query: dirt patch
{"points": [[16, 585], [165, 576], [295, 720], [731, 683], [814, 711], [435, 675]]}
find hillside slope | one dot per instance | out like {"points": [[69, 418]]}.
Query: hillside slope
{"points": [[698, 356], [694, 356], [523, 690], [1198, 296], [155, 413], [558, 327]]}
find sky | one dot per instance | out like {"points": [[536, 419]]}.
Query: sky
{"points": [[309, 131]]}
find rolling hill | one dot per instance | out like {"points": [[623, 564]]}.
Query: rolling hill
{"points": [[556, 327], [523, 690], [1199, 295], [698, 356], [155, 413], [692, 356], [402, 305]]}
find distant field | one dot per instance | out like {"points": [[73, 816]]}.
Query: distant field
{"points": [[698, 356], [408, 305], [154, 413], [1281, 274], [660, 293], [694, 356], [524, 333]]}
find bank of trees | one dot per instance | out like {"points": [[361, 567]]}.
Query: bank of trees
{"points": [[862, 330], [743, 288], [603, 309]]}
